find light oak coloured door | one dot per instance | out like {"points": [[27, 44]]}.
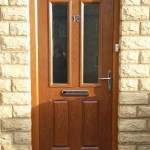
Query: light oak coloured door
{"points": [[75, 42]]}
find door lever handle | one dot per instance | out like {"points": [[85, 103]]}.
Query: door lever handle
{"points": [[109, 78]]}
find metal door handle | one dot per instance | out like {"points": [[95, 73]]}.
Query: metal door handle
{"points": [[109, 78]]}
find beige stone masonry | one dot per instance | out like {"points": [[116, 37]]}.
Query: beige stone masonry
{"points": [[6, 111], [3, 2], [147, 147], [134, 85], [15, 98], [16, 147], [135, 13], [128, 84], [16, 125], [21, 85], [14, 43], [145, 2], [145, 28], [134, 97], [22, 111], [22, 138], [130, 28], [19, 2], [130, 2], [15, 71], [133, 125], [149, 124], [144, 111], [126, 147], [127, 111], [15, 84], [145, 57], [5, 58], [134, 138], [20, 58], [129, 57], [19, 28], [135, 42], [6, 138], [5, 85], [15, 13], [4, 28], [144, 84], [129, 70]]}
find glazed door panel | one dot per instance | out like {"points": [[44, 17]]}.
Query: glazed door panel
{"points": [[75, 42]]}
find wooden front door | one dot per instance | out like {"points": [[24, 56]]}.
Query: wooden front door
{"points": [[75, 42]]}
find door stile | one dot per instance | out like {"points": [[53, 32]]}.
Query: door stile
{"points": [[45, 108], [75, 43], [115, 92]]}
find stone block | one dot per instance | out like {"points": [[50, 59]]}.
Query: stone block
{"points": [[145, 2], [5, 58], [145, 84], [143, 147], [21, 111], [16, 125], [132, 124], [131, 2], [15, 43], [4, 28], [5, 85], [15, 71], [3, 2], [145, 57], [134, 138], [15, 98], [127, 147], [145, 28], [17, 147], [135, 43], [129, 70], [14, 13], [133, 98], [21, 58], [21, 85], [22, 138], [130, 28], [127, 111], [143, 111], [5, 111], [19, 28], [130, 57], [135, 13], [5, 138], [128, 84], [19, 2]]}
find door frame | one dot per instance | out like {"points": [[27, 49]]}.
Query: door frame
{"points": [[34, 74]]}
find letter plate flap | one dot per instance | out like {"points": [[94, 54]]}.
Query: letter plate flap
{"points": [[75, 92]]}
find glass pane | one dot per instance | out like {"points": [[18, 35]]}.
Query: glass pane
{"points": [[59, 35], [91, 43]]}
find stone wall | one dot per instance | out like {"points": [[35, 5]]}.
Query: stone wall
{"points": [[134, 96], [15, 97]]}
